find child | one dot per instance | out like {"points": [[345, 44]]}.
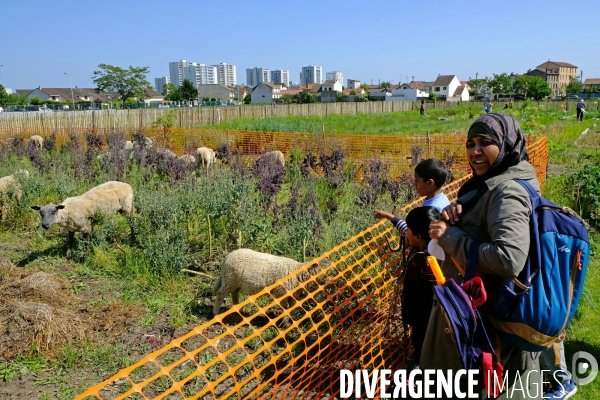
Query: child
{"points": [[417, 293], [430, 177]]}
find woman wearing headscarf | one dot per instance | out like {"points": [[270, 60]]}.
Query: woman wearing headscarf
{"points": [[499, 220]]}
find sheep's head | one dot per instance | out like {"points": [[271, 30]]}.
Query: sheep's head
{"points": [[48, 213]]}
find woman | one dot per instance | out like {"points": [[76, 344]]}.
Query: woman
{"points": [[499, 220]]}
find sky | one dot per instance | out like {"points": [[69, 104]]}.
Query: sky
{"points": [[370, 41]]}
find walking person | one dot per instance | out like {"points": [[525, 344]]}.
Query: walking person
{"points": [[499, 220], [488, 107], [580, 109], [423, 109]]}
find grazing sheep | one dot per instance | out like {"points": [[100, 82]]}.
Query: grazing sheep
{"points": [[148, 143], [128, 145], [187, 161], [205, 157], [36, 141], [168, 153], [75, 213], [272, 157], [251, 271], [10, 188]]}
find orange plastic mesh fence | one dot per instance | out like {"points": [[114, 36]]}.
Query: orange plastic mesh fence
{"points": [[342, 314]]}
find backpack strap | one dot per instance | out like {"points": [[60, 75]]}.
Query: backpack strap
{"points": [[472, 254]]}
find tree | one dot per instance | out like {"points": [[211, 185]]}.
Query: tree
{"points": [[188, 91], [479, 85], [3, 96], [501, 84], [365, 87], [127, 82], [539, 88], [522, 84], [35, 101], [574, 86], [353, 92], [247, 99], [174, 93], [432, 96], [385, 85]]}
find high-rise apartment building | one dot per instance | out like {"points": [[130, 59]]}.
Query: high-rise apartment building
{"points": [[335, 76], [159, 83], [281, 76], [176, 71], [200, 74], [256, 75], [311, 74], [226, 74]]}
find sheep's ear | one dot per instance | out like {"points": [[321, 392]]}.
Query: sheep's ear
{"points": [[60, 207], [35, 208]]}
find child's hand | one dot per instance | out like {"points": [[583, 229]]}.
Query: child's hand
{"points": [[379, 214]]}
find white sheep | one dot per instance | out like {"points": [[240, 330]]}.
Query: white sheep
{"points": [[128, 145], [37, 141], [206, 157], [10, 188], [148, 143], [272, 158], [187, 161], [168, 153], [75, 213], [250, 272]]}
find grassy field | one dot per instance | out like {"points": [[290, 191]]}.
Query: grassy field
{"points": [[138, 298]]}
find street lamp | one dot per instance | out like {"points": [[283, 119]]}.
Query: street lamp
{"points": [[72, 97]]}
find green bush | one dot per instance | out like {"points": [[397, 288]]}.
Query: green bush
{"points": [[585, 186]]}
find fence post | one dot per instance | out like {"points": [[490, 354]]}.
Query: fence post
{"points": [[428, 145]]}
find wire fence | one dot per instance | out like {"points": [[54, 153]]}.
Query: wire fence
{"points": [[344, 313]]}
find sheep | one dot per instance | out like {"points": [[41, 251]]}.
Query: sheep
{"points": [[10, 188], [272, 157], [250, 272], [36, 141], [128, 145], [187, 161], [205, 157], [148, 143], [75, 213], [168, 153]]}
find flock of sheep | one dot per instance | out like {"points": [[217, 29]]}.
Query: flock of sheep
{"points": [[242, 270]]}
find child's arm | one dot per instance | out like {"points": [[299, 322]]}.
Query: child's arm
{"points": [[398, 223]]}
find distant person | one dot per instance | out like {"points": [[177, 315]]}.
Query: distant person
{"points": [[488, 107], [273, 105], [423, 108], [580, 109], [505, 106], [510, 104]]}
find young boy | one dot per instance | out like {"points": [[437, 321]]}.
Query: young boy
{"points": [[430, 177]]}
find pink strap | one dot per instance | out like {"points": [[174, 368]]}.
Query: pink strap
{"points": [[491, 369], [476, 291]]}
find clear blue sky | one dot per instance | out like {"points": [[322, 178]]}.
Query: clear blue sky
{"points": [[366, 40]]}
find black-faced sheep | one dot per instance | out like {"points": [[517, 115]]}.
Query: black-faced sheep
{"points": [[36, 141], [9, 189], [205, 157], [250, 272], [75, 213]]}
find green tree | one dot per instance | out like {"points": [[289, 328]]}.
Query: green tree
{"points": [[174, 93], [35, 101], [353, 92], [3, 96], [501, 84], [127, 82], [289, 98], [247, 99], [188, 91], [385, 85], [365, 87], [574, 86], [168, 88], [432, 96], [479, 85], [539, 88]]}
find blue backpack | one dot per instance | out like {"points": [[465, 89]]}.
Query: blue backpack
{"points": [[532, 311]]}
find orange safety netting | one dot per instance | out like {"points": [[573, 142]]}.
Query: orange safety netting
{"points": [[343, 314]]}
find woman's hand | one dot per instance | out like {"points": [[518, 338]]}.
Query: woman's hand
{"points": [[437, 228], [451, 213]]}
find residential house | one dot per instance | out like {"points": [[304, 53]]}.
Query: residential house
{"points": [[265, 93], [378, 93], [216, 91], [557, 74], [240, 92], [330, 90], [408, 93], [153, 97], [449, 88], [352, 84], [592, 84]]}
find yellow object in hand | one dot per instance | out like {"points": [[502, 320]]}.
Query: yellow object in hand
{"points": [[437, 271]]}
